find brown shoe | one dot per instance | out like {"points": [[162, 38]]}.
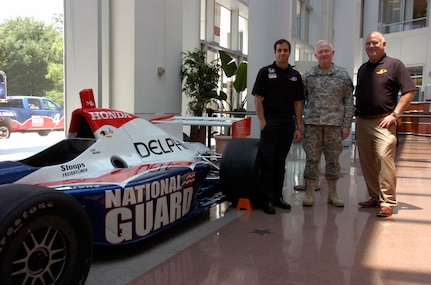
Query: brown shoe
{"points": [[385, 212], [372, 203]]}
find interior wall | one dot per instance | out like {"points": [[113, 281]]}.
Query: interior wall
{"points": [[127, 51], [82, 65], [121, 50], [191, 34], [158, 46], [344, 41]]}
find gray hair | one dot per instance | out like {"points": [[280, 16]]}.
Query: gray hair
{"points": [[323, 42]]}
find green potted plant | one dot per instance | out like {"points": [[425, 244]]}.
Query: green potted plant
{"points": [[236, 103], [200, 81], [230, 68]]}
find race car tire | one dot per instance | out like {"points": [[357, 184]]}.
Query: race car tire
{"points": [[45, 237], [239, 169]]}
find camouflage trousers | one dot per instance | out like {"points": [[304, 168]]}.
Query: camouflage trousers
{"points": [[322, 139]]}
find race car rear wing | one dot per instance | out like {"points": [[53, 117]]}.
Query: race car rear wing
{"points": [[240, 127]]}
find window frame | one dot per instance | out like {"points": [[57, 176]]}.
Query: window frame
{"points": [[400, 19]]}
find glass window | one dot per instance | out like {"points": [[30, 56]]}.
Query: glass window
{"points": [[34, 104], [302, 19], [3, 91], [49, 105], [222, 26], [416, 72], [14, 103], [222, 40], [402, 15], [243, 35], [391, 11], [221, 29], [415, 9], [203, 20], [298, 18]]}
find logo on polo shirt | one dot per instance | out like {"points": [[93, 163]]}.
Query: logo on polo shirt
{"points": [[382, 71]]}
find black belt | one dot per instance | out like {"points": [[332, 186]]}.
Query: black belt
{"points": [[375, 116], [278, 115]]}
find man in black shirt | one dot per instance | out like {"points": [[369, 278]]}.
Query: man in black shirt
{"points": [[278, 98], [377, 110]]}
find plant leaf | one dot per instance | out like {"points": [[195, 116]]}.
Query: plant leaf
{"points": [[222, 96], [228, 64], [240, 83]]}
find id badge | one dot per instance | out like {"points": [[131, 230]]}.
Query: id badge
{"points": [[272, 74]]}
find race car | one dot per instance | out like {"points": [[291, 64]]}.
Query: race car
{"points": [[115, 179]]}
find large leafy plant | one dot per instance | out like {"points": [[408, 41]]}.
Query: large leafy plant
{"points": [[230, 68], [200, 81]]}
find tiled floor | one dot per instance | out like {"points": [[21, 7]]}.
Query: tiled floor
{"points": [[305, 245]]}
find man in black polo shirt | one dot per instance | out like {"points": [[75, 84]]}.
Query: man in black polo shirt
{"points": [[278, 99], [377, 110]]}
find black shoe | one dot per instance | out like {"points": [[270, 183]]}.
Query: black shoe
{"points": [[282, 204], [268, 208]]}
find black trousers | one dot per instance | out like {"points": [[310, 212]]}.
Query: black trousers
{"points": [[275, 141]]}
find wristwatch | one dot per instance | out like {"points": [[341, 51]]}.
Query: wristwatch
{"points": [[395, 114], [299, 129]]}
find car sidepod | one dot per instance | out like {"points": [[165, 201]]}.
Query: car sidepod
{"points": [[152, 202]]}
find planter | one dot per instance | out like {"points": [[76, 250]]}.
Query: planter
{"points": [[221, 142]]}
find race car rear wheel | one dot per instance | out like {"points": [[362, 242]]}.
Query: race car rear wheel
{"points": [[45, 237], [239, 169]]}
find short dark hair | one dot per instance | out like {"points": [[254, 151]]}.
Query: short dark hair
{"points": [[282, 41]]}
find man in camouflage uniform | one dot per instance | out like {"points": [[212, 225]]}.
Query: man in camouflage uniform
{"points": [[328, 117]]}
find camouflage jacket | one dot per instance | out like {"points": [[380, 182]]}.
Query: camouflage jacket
{"points": [[328, 97]]}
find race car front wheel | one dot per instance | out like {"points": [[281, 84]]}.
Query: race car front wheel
{"points": [[45, 237]]}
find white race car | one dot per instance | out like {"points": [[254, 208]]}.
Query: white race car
{"points": [[115, 179]]}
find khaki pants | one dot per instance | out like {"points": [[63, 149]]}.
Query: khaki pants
{"points": [[377, 147]]}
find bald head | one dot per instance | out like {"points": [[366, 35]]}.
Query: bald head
{"points": [[375, 46]]}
